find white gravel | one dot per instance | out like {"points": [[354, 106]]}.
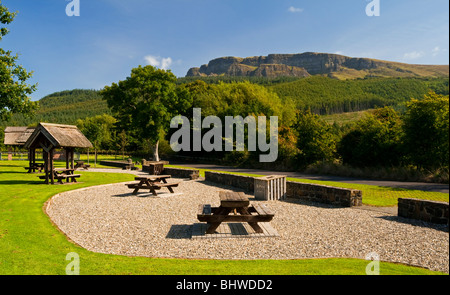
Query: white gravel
{"points": [[109, 219]]}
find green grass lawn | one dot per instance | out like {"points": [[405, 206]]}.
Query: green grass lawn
{"points": [[31, 245], [379, 196]]}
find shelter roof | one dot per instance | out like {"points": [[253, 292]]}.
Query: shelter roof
{"points": [[17, 136], [59, 136]]}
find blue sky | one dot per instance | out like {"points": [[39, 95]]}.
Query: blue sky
{"points": [[110, 37]]}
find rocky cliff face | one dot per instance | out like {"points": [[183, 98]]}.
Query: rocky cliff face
{"points": [[309, 63]]}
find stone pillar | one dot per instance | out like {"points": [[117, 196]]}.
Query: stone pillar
{"points": [[270, 188]]}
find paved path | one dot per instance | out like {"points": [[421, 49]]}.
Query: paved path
{"points": [[429, 187]]}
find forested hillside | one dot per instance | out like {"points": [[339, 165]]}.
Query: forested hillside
{"points": [[322, 95], [65, 107], [326, 96]]}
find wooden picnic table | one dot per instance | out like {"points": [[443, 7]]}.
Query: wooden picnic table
{"points": [[81, 164], [153, 183], [239, 205], [63, 173], [36, 166]]}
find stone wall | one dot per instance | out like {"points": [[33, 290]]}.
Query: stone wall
{"points": [[182, 173], [118, 164], [324, 194], [306, 191], [429, 211], [245, 183]]}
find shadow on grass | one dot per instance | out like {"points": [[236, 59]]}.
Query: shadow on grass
{"points": [[19, 182], [18, 172], [25, 164]]}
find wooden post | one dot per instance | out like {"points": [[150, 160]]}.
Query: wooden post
{"points": [[72, 158], [67, 154], [51, 166], [30, 159], [46, 165], [33, 155]]}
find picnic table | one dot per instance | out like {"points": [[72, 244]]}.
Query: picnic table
{"points": [[81, 164], [239, 205], [62, 173], [153, 183], [36, 166]]}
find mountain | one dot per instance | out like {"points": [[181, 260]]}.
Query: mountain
{"points": [[310, 63]]}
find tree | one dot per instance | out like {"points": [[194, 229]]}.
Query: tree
{"points": [[122, 142], [315, 140], [14, 91], [375, 140], [426, 127], [145, 103], [99, 130]]}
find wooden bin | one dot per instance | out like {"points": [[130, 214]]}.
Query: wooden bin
{"points": [[270, 188]]}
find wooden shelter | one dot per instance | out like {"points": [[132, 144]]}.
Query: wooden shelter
{"points": [[16, 137], [50, 137]]}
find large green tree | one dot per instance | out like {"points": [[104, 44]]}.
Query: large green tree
{"points": [[427, 131], [374, 140], [14, 91], [315, 139], [145, 103]]}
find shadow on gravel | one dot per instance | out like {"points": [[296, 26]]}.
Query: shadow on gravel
{"points": [[180, 231], [440, 227]]}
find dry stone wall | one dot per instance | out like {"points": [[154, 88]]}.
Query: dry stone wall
{"points": [[306, 191], [428, 211]]}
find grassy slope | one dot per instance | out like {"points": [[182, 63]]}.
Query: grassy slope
{"points": [[344, 118], [31, 245]]}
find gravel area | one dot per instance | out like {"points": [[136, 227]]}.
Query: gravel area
{"points": [[109, 219]]}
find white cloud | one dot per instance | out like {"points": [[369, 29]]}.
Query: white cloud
{"points": [[153, 61], [156, 61], [166, 63], [436, 50], [295, 9], [413, 55]]}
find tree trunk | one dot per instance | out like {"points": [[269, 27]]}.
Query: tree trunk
{"points": [[155, 151]]}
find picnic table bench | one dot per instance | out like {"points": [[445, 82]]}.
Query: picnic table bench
{"points": [[37, 166], [152, 183], [61, 174], [239, 205]]}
